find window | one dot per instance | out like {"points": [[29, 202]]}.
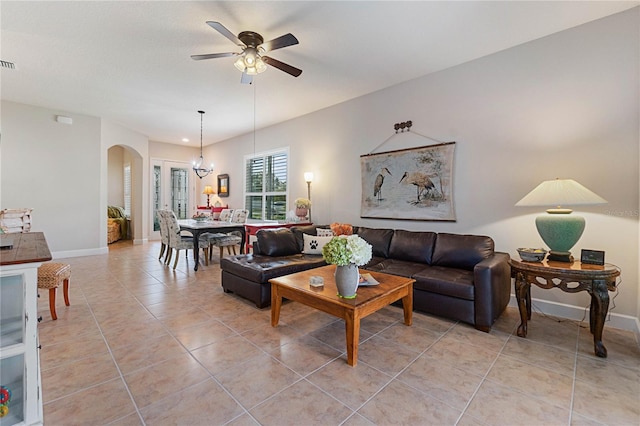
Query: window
{"points": [[157, 182], [172, 188], [127, 189], [180, 192], [266, 185]]}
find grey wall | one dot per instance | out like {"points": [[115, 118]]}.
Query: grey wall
{"points": [[563, 106], [54, 168], [115, 179]]}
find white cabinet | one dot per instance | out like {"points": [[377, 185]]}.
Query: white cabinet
{"points": [[19, 353], [19, 357]]}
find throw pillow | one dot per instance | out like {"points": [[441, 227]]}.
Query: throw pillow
{"points": [[314, 244], [321, 232], [341, 228]]}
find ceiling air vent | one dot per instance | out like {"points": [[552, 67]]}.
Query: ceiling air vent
{"points": [[7, 64]]}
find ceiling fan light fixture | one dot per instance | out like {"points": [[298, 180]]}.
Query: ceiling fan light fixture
{"points": [[260, 65], [250, 55], [239, 64]]}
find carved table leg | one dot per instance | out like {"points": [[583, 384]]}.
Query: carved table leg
{"points": [[523, 289], [599, 309]]}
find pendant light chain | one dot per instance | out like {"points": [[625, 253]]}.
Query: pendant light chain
{"points": [[198, 166]]}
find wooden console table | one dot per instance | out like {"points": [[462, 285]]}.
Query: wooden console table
{"points": [[571, 278]]}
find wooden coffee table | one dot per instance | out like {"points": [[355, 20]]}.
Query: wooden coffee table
{"points": [[369, 299]]}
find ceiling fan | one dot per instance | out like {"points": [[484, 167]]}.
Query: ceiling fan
{"points": [[251, 60]]}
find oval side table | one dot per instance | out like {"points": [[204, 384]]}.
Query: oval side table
{"points": [[572, 277]]}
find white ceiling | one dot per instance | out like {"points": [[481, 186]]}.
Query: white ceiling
{"points": [[129, 62]]}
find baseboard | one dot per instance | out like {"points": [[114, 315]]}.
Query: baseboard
{"points": [[578, 313], [90, 252], [79, 253]]}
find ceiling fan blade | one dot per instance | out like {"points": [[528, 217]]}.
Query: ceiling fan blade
{"points": [[212, 56], [282, 66], [279, 43], [225, 32], [246, 78]]}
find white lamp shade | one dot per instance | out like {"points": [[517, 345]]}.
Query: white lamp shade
{"points": [[239, 63], [308, 176], [560, 192]]}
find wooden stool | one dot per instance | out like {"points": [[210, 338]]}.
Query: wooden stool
{"points": [[50, 275]]}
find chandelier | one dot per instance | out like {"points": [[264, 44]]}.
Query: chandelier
{"points": [[197, 165]]}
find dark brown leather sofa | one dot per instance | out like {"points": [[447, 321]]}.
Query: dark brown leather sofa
{"points": [[457, 276]]}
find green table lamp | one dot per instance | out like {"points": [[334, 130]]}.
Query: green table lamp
{"points": [[560, 229]]}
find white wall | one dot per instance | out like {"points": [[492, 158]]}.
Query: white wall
{"points": [[136, 147], [115, 177], [563, 106], [54, 168]]}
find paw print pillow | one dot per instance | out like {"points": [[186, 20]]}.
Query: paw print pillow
{"points": [[313, 244]]}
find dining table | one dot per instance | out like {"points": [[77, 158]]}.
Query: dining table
{"points": [[198, 227]]}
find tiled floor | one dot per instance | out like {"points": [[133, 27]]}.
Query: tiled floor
{"points": [[143, 344]]}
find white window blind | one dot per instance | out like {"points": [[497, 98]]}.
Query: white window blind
{"points": [[266, 185]]}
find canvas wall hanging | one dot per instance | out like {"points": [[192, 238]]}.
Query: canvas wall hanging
{"points": [[410, 184]]}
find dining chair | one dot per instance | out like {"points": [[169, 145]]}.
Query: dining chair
{"points": [[239, 216], [225, 215], [179, 242], [233, 238], [164, 237]]}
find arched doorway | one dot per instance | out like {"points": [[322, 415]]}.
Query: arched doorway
{"points": [[125, 189]]}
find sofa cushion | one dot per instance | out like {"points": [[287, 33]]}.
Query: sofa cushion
{"points": [[374, 260], [461, 251], [260, 269], [378, 238], [314, 244], [397, 267], [446, 281], [412, 246], [299, 231], [277, 242]]}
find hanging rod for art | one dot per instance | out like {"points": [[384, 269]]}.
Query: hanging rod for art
{"points": [[403, 127]]}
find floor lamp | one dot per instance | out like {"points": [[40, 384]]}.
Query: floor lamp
{"points": [[308, 177]]}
